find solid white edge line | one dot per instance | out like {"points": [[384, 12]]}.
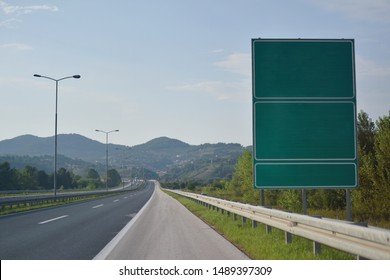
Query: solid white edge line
{"points": [[102, 255], [52, 220]]}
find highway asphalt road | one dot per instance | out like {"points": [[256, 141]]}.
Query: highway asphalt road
{"points": [[74, 231], [166, 230]]}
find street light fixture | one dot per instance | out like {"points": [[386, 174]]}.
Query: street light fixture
{"points": [[55, 129], [107, 132]]}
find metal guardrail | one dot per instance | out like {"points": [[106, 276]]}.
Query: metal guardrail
{"points": [[364, 242], [17, 201]]}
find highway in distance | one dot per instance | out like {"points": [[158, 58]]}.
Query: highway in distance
{"points": [[76, 231]]}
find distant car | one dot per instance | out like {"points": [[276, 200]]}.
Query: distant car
{"points": [[204, 194]]}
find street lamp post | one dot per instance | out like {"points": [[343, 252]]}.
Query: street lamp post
{"points": [[107, 132], [55, 126]]}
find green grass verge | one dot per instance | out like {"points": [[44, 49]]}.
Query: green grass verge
{"points": [[255, 242]]}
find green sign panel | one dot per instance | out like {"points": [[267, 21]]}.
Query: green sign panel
{"points": [[304, 114]]}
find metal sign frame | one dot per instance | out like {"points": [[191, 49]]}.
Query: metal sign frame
{"points": [[304, 113]]}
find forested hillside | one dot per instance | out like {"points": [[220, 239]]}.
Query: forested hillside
{"points": [[370, 201], [23, 157]]}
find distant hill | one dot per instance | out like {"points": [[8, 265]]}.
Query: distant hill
{"points": [[163, 143], [70, 145], [171, 158]]}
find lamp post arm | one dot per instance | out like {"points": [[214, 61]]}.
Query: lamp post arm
{"points": [[57, 80]]}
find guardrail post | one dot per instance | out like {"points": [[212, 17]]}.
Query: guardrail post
{"points": [[235, 216], [268, 229], [316, 248], [288, 237], [254, 224], [243, 219]]}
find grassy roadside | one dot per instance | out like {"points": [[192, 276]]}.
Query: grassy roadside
{"points": [[255, 242]]}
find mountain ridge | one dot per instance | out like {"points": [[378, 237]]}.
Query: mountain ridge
{"points": [[162, 154]]}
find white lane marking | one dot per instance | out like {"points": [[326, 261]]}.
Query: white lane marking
{"points": [[125, 197], [97, 206], [103, 254], [116, 200], [51, 220]]}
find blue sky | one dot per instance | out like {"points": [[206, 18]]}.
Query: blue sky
{"points": [[176, 68]]}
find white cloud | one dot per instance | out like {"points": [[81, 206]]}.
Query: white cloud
{"points": [[16, 46], [9, 23], [238, 89], [369, 10], [239, 63], [20, 10]]}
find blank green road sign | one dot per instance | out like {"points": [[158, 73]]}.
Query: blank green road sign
{"points": [[304, 114]]}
